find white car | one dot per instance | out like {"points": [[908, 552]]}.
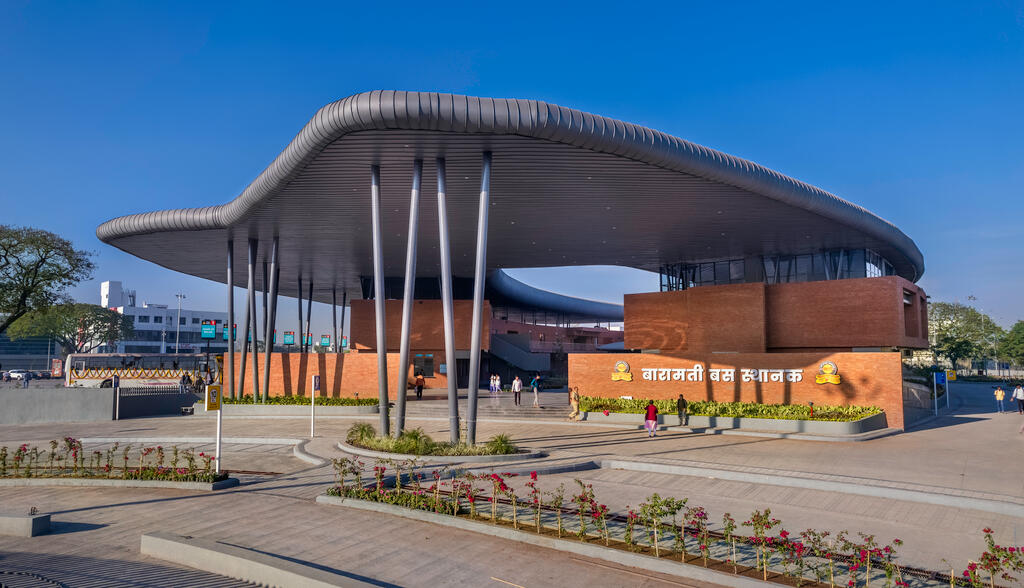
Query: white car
{"points": [[17, 374]]}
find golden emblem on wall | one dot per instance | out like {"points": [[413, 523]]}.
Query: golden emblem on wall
{"points": [[828, 373], [621, 373]]}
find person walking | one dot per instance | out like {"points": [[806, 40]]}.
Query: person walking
{"points": [[497, 383], [517, 389], [574, 403], [535, 385], [1000, 394], [681, 405], [651, 419], [420, 382], [26, 379], [1018, 395]]}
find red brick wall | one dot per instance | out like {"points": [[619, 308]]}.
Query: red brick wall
{"points": [[867, 379], [427, 324], [828, 315], [291, 373], [719, 318]]}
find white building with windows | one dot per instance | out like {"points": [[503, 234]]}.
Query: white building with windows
{"points": [[157, 326]]}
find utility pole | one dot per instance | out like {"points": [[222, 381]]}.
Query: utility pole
{"points": [[177, 327]]}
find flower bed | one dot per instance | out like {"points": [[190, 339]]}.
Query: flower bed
{"points": [[303, 400], [417, 442], [753, 410], [666, 528], [67, 459]]}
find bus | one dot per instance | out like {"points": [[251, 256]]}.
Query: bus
{"points": [[97, 370]]}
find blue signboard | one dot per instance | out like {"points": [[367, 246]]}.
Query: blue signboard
{"points": [[940, 378], [208, 331], [234, 330], [325, 340], [289, 337]]}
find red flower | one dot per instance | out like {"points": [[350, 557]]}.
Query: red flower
{"points": [[783, 534], [605, 412], [533, 476], [986, 530]]}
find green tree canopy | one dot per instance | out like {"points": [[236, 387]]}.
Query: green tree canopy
{"points": [[958, 331], [77, 328], [1012, 346], [36, 269]]}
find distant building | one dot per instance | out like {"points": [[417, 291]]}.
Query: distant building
{"points": [[30, 353], [156, 325]]}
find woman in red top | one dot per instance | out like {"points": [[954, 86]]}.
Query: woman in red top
{"points": [[651, 421]]}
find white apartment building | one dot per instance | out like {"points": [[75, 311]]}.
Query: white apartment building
{"points": [[157, 325]]}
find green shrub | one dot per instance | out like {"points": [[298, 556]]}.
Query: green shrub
{"points": [[359, 432], [417, 442], [292, 400], [711, 408], [501, 444]]}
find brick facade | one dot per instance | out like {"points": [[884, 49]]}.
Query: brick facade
{"points": [[346, 375], [836, 315], [427, 325], [867, 379]]}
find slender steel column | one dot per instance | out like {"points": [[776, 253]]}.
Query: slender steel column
{"points": [[309, 314], [266, 287], [334, 315], [229, 381], [407, 296], [446, 302], [245, 333], [268, 323], [378, 301], [478, 297], [302, 339], [253, 251], [341, 329]]}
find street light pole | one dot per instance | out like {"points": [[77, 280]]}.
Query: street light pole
{"points": [[177, 327]]}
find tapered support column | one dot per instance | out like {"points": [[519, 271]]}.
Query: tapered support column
{"points": [[407, 296], [378, 301], [245, 333], [268, 338], [341, 329], [478, 297], [298, 331], [334, 316], [309, 315], [229, 367], [446, 302], [254, 329]]}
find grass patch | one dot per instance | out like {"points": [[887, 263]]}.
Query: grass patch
{"points": [[304, 400], [417, 442], [750, 410]]}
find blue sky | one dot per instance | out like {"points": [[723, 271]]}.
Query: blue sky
{"points": [[911, 109]]}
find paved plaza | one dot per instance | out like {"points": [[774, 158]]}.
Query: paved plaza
{"points": [[970, 453]]}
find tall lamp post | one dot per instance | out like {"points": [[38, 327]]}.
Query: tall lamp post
{"points": [[177, 327]]}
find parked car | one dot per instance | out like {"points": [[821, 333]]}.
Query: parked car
{"points": [[17, 374], [41, 376]]}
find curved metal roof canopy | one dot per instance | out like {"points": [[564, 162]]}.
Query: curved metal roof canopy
{"points": [[567, 188]]}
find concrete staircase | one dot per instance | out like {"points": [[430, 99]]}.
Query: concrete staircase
{"points": [[485, 410]]}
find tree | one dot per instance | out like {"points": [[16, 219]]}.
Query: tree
{"points": [[77, 328], [958, 331], [1011, 348], [36, 269]]}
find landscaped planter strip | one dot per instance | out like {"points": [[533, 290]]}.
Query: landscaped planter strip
{"points": [[295, 410], [837, 428], [119, 483], [567, 545], [351, 449]]}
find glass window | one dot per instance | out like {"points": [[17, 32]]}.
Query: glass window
{"points": [[722, 272], [143, 318], [182, 320], [158, 319], [736, 271], [195, 320]]}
